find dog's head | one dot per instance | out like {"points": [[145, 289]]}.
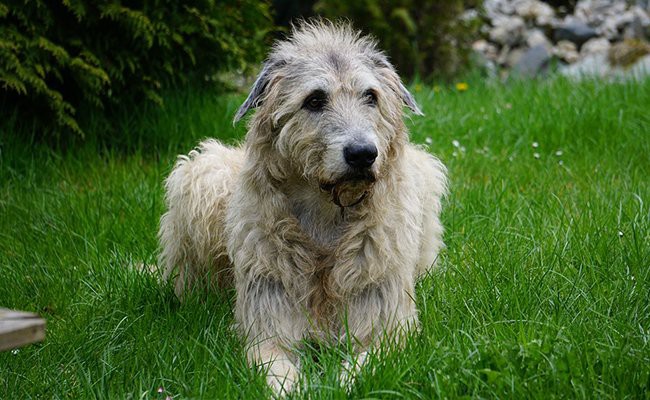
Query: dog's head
{"points": [[330, 109]]}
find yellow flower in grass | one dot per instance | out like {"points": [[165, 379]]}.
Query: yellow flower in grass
{"points": [[436, 89], [462, 86], [418, 87]]}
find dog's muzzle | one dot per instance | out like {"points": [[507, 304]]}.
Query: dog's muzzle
{"points": [[351, 189]]}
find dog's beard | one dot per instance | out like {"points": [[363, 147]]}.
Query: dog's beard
{"points": [[351, 189]]}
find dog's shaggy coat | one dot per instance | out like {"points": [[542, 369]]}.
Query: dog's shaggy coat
{"points": [[315, 244]]}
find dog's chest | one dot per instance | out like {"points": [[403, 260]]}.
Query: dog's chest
{"points": [[319, 218], [322, 226]]}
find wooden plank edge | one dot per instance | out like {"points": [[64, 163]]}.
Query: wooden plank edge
{"points": [[21, 332]]}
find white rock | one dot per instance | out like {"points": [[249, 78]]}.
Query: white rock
{"points": [[536, 37], [613, 25], [469, 15], [535, 10], [487, 49], [595, 46], [525, 8], [597, 12], [643, 16], [508, 30], [597, 66], [566, 51], [498, 8], [545, 21], [592, 66], [591, 10], [480, 45], [533, 62], [514, 56], [544, 14], [503, 55], [639, 26]]}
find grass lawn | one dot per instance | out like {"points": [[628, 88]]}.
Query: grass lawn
{"points": [[543, 291]]}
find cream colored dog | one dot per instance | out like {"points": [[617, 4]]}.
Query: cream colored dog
{"points": [[325, 217]]}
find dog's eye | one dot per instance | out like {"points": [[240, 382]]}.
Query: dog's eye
{"points": [[370, 97], [316, 101]]}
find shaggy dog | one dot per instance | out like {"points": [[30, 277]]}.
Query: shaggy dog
{"points": [[325, 217]]}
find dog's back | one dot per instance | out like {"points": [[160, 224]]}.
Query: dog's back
{"points": [[197, 192]]}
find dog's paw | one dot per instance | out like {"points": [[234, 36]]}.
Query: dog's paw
{"points": [[350, 369], [282, 377]]}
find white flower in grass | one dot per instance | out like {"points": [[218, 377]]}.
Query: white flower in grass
{"points": [[535, 145], [428, 140], [161, 390], [456, 143], [15, 352], [485, 151], [560, 162], [536, 155], [620, 233], [559, 153], [454, 154]]}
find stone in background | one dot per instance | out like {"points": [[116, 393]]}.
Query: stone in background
{"points": [[602, 38]]}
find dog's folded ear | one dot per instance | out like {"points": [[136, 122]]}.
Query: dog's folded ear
{"points": [[381, 61], [254, 98], [409, 100]]}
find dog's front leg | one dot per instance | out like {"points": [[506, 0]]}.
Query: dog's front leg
{"points": [[281, 370], [273, 268], [378, 316], [373, 277], [274, 325], [381, 312]]}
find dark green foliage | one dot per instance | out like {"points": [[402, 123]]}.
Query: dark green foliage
{"points": [[58, 56], [569, 5], [423, 39], [287, 11]]}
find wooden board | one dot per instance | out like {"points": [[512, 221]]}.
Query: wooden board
{"points": [[19, 328]]}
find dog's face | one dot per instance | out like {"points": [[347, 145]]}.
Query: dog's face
{"points": [[334, 106]]}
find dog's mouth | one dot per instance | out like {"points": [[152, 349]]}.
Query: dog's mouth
{"points": [[327, 187], [351, 189]]}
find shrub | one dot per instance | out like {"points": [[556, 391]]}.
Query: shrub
{"points": [[567, 4], [56, 56], [423, 38], [287, 11]]}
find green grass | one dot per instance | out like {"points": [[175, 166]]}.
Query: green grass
{"points": [[543, 291]]}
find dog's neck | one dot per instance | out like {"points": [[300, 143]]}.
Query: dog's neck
{"points": [[319, 217]]}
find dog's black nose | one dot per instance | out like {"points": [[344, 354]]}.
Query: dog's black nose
{"points": [[360, 155]]}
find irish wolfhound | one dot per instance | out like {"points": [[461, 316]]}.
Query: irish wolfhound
{"points": [[325, 217]]}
